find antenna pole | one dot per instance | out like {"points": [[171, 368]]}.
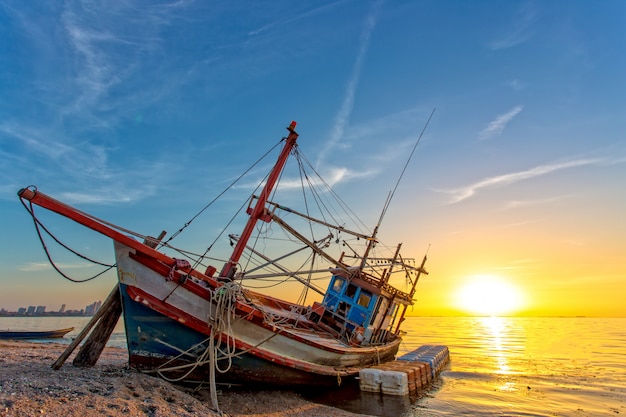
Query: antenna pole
{"points": [[420, 271], [405, 166], [372, 240]]}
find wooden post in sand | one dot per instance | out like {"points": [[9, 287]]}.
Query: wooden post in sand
{"points": [[109, 304], [90, 351], [106, 318]]}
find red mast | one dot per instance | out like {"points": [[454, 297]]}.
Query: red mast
{"points": [[259, 210]]}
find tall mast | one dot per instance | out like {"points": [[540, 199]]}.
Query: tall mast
{"points": [[259, 210]]}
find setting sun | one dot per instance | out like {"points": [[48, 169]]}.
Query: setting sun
{"points": [[488, 295]]}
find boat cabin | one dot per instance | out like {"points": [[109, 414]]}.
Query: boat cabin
{"points": [[359, 311]]}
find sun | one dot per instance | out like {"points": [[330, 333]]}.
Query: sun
{"points": [[489, 295]]}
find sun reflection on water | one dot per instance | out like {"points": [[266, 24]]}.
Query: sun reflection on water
{"points": [[497, 326]]}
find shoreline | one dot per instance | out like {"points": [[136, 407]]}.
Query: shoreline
{"points": [[29, 386]]}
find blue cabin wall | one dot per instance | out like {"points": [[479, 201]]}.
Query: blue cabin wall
{"points": [[359, 302]]}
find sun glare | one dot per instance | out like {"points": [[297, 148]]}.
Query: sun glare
{"points": [[487, 295]]}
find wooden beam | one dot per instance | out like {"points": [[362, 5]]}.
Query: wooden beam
{"points": [[115, 294], [91, 350]]}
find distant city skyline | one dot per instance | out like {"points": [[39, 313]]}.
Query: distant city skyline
{"points": [[34, 311]]}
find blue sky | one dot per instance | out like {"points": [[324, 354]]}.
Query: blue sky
{"points": [[141, 112]]}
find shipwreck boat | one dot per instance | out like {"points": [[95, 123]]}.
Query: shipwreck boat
{"points": [[34, 334], [188, 322]]}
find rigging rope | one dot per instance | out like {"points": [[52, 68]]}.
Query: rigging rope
{"points": [[232, 219], [342, 204], [39, 225], [179, 231]]}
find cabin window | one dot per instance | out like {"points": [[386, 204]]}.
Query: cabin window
{"points": [[338, 285], [351, 290], [331, 301], [364, 298]]}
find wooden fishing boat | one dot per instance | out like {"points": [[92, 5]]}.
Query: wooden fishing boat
{"points": [[187, 322], [34, 334]]}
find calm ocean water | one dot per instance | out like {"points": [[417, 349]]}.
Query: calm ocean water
{"points": [[499, 366], [118, 338], [525, 366]]}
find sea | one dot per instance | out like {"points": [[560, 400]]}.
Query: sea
{"points": [[499, 366]]}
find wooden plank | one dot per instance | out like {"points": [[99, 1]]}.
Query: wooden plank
{"points": [[115, 293], [89, 353]]}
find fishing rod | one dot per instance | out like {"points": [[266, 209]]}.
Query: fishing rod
{"points": [[388, 202]]}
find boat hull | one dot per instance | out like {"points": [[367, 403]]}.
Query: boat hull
{"points": [[156, 343], [168, 332], [24, 335]]}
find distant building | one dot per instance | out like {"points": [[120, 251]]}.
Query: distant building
{"points": [[31, 310], [40, 310], [93, 308], [62, 310], [21, 311], [90, 310]]}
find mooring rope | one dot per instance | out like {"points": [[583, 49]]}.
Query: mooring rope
{"points": [[220, 321], [225, 298]]}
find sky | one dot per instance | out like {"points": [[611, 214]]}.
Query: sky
{"points": [[141, 112]]}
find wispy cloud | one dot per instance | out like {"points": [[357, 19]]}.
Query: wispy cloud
{"points": [[524, 264], [514, 204], [45, 266], [516, 84], [332, 176], [498, 125], [83, 167], [518, 30], [465, 192], [107, 195], [40, 144], [343, 116], [112, 50], [96, 68], [283, 22], [93, 77]]}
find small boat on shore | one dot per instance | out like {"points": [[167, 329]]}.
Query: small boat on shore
{"points": [[34, 334], [187, 320]]}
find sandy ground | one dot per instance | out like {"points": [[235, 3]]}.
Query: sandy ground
{"points": [[30, 387]]}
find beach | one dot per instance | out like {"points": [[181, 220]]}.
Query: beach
{"points": [[29, 387]]}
